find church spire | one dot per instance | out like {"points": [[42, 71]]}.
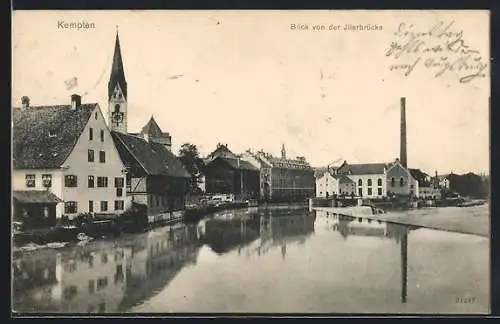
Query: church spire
{"points": [[117, 76], [283, 151]]}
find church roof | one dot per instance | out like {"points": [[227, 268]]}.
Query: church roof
{"points": [[152, 158], [44, 136], [152, 128], [117, 73]]}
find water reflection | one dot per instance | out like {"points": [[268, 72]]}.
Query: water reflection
{"points": [[109, 277], [103, 277]]}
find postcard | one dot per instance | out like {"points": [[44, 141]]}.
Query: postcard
{"points": [[250, 162]]}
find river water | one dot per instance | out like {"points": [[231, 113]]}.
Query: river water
{"points": [[261, 260]]}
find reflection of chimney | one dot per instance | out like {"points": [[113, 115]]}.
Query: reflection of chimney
{"points": [[404, 265], [402, 152], [25, 100]]}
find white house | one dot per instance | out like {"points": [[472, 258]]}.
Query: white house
{"points": [[68, 150], [326, 185], [444, 181], [376, 180], [370, 178]]}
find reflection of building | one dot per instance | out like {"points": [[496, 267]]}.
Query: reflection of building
{"points": [[282, 230], [228, 173], [225, 234], [103, 279], [284, 179], [156, 263], [32, 275], [92, 281], [88, 281]]}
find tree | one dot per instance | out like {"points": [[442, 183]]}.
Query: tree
{"points": [[190, 157]]}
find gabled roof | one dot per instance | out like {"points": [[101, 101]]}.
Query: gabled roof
{"points": [[44, 136], [235, 164], [117, 73], [222, 151], [153, 158], [35, 196], [367, 168], [152, 128]]}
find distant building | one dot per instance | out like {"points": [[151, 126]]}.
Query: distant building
{"points": [[444, 181], [66, 150], [370, 178], [228, 173], [378, 180], [283, 179], [330, 184]]}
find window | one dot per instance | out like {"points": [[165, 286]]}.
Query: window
{"points": [[95, 116], [70, 207], [102, 135], [119, 192], [70, 292], [102, 156], [117, 108], [47, 180], [91, 286], [104, 206], [104, 258], [30, 180], [91, 156], [102, 283], [70, 181], [360, 192], [91, 206], [360, 182], [393, 182], [102, 182], [369, 191], [369, 182], [411, 186], [401, 181], [91, 133], [46, 212], [102, 307], [379, 182], [91, 182], [119, 204], [380, 191], [118, 182]]}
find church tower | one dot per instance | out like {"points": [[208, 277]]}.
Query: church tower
{"points": [[117, 92], [283, 151]]}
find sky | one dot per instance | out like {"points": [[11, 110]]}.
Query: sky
{"points": [[247, 79]]}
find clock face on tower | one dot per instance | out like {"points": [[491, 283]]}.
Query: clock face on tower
{"points": [[117, 117]]}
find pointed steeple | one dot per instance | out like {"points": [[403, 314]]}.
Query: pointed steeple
{"points": [[283, 151], [117, 73]]}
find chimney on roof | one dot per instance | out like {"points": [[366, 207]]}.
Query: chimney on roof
{"points": [[402, 152], [25, 100], [76, 101]]}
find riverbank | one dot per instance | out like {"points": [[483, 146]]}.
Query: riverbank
{"points": [[467, 220], [116, 227]]}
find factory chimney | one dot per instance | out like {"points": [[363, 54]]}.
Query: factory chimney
{"points": [[402, 152]]}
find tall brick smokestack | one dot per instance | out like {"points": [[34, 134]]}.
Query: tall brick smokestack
{"points": [[402, 149]]}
